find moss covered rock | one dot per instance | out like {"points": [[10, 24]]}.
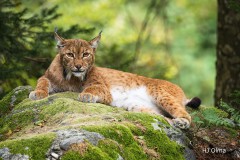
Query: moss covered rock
{"points": [[60, 126], [13, 98]]}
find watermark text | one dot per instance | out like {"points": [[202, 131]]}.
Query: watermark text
{"points": [[215, 150]]}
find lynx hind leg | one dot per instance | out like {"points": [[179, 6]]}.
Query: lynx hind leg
{"points": [[169, 104], [42, 89], [181, 123]]}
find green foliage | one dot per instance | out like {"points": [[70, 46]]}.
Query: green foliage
{"points": [[208, 116], [234, 113], [214, 118], [115, 57], [235, 98], [26, 43], [234, 5]]}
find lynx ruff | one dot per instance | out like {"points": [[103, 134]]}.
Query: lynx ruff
{"points": [[73, 70]]}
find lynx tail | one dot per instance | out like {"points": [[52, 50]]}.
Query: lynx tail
{"points": [[194, 103]]}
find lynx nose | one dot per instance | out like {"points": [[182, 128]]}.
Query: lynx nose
{"points": [[78, 66]]}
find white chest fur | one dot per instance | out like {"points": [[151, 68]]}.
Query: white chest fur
{"points": [[134, 99]]}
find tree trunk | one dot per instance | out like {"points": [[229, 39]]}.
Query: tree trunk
{"points": [[228, 51]]}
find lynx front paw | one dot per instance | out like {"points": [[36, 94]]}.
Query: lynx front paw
{"points": [[38, 94], [87, 97], [181, 123]]}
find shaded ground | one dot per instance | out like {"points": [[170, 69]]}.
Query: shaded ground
{"points": [[216, 143]]}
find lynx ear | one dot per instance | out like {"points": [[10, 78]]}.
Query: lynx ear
{"points": [[59, 39], [95, 41]]}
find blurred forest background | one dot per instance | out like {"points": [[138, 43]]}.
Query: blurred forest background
{"points": [[173, 40]]}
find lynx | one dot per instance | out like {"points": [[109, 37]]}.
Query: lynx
{"points": [[73, 70]]}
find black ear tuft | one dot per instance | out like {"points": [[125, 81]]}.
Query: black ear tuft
{"points": [[194, 103], [58, 38], [55, 29], [100, 33], [95, 41]]}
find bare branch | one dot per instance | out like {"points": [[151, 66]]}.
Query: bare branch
{"points": [[142, 30], [40, 60]]}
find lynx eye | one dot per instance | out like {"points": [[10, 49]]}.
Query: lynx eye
{"points": [[70, 55], [86, 54]]}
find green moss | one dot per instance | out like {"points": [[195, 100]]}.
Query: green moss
{"points": [[28, 103], [66, 102], [95, 153], [117, 126], [17, 120], [154, 139], [160, 142], [111, 147], [71, 95], [71, 155], [35, 147], [122, 135], [52, 109], [119, 133], [232, 132], [144, 118], [138, 124], [5, 104], [134, 129], [92, 153], [13, 98], [4, 128], [134, 152]]}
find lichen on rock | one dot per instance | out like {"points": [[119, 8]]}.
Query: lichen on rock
{"points": [[66, 138], [5, 154]]}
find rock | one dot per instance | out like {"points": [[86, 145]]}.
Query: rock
{"points": [[6, 155], [236, 153], [68, 137], [13, 98], [54, 155], [65, 138], [4, 152], [119, 158], [176, 135], [76, 130]]}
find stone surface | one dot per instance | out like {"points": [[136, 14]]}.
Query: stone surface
{"points": [[49, 128], [6, 155], [65, 138], [13, 98], [176, 135]]}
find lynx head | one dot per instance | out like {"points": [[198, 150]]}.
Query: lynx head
{"points": [[77, 55]]}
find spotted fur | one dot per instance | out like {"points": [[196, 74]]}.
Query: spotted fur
{"points": [[73, 70]]}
